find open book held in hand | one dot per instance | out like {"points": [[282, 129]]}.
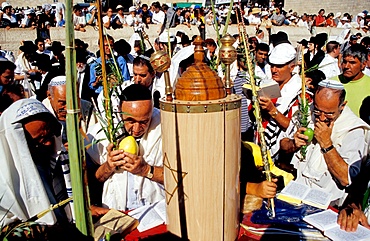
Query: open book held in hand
{"points": [[150, 216], [297, 193], [270, 89], [114, 222], [326, 221]]}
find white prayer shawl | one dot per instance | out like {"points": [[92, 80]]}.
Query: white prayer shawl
{"points": [[115, 188], [329, 66], [21, 189], [366, 71], [343, 36], [314, 171], [289, 94], [181, 55], [22, 67]]}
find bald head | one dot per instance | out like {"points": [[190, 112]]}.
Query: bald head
{"points": [[57, 97], [137, 116], [325, 93], [328, 104]]}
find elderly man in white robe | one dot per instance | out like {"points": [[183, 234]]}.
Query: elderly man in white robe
{"points": [[340, 144], [131, 181], [33, 174]]}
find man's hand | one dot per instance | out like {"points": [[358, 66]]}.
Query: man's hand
{"points": [[98, 211], [135, 164], [266, 104], [299, 138], [350, 217], [97, 81], [323, 133], [115, 158], [263, 189]]}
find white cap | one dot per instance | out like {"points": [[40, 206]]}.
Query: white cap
{"points": [[344, 19], [132, 9], [29, 11], [5, 4], [338, 14], [163, 38], [119, 6], [58, 81], [264, 13], [47, 7], [332, 84], [282, 54], [362, 15]]}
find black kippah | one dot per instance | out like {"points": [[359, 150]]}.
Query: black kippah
{"points": [[135, 92]]}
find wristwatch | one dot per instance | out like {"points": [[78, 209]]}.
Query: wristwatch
{"points": [[325, 150], [150, 173], [273, 115]]}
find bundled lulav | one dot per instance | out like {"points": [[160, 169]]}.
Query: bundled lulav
{"points": [[257, 109]]}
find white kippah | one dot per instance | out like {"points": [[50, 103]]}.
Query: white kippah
{"points": [[164, 37], [58, 81], [144, 57], [332, 84]]}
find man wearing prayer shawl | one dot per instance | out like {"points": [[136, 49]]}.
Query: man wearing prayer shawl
{"points": [[340, 144], [33, 173]]}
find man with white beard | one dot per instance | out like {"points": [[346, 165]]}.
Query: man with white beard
{"points": [[83, 76]]}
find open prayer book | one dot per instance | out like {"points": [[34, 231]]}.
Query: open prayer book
{"points": [[114, 222], [270, 89], [297, 193], [150, 216], [326, 221]]}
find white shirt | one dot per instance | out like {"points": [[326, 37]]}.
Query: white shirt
{"points": [[158, 18], [345, 25], [81, 20], [302, 23], [329, 66], [122, 19], [120, 185], [11, 18], [47, 52], [366, 71], [254, 20], [106, 19]]}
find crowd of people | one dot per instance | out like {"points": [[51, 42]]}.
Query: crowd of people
{"points": [[140, 16], [33, 128]]}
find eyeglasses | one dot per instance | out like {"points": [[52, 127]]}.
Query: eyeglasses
{"points": [[317, 112]]}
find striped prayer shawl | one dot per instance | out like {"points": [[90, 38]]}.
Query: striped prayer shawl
{"points": [[241, 79], [62, 185], [284, 104], [273, 131]]}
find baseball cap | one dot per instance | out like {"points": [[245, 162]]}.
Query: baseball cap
{"points": [[132, 9], [282, 53]]}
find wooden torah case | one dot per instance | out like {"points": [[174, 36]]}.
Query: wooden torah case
{"points": [[201, 149]]}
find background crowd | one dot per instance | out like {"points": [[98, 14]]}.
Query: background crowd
{"points": [[49, 15]]}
